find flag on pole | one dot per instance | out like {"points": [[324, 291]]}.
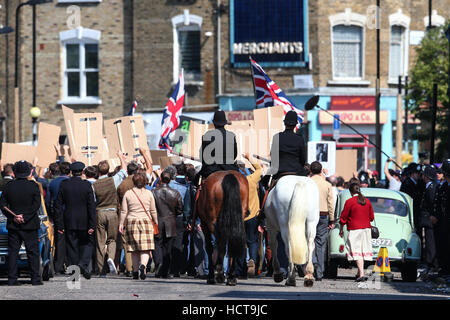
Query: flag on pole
{"points": [[172, 112], [269, 94], [133, 108]]}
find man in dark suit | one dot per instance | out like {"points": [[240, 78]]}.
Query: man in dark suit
{"points": [[168, 205], [412, 186], [20, 203], [288, 152], [219, 148], [75, 217], [427, 216]]}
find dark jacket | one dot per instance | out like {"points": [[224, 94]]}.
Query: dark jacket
{"points": [[415, 192], [288, 153], [22, 196], [427, 206], [220, 155], [75, 205], [168, 205], [4, 181]]}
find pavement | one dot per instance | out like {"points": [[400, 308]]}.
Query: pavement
{"points": [[188, 288]]}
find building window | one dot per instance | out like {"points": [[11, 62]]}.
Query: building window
{"points": [[347, 52], [80, 55], [397, 52], [186, 52]]}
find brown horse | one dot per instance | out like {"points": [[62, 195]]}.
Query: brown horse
{"points": [[222, 205]]}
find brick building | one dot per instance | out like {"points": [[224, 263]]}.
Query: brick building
{"points": [[142, 45]]}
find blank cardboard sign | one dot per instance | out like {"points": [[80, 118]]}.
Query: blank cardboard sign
{"points": [[47, 139], [12, 152], [246, 136], [194, 143], [268, 122], [346, 163]]}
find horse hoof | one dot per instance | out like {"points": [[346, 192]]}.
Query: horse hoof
{"points": [[231, 281], [308, 283], [220, 278], [291, 283], [211, 281], [278, 277]]}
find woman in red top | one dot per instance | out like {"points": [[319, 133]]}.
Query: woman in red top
{"points": [[357, 215]]}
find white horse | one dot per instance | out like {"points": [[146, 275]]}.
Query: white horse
{"points": [[292, 207]]}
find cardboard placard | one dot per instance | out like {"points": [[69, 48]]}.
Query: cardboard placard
{"points": [[194, 143], [246, 137], [12, 152], [47, 139], [85, 133], [126, 134], [165, 162], [268, 122], [156, 155], [346, 163]]}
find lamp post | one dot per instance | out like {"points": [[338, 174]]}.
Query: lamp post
{"points": [[16, 77], [4, 30], [447, 33], [378, 95], [35, 112]]}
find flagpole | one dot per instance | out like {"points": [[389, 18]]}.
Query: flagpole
{"points": [[253, 80]]}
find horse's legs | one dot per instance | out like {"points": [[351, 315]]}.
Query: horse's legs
{"points": [[209, 250], [291, 268], [273, 242], [310, 237], [221, 250], [231, 279]]}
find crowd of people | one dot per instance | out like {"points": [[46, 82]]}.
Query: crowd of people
{"points": [[133, 220]]}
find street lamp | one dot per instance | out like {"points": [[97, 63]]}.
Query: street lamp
{"points": [[16, 77], [35, 112]]}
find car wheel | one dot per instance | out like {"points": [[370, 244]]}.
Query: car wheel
{"points": [[332, 270], [409, 272]]}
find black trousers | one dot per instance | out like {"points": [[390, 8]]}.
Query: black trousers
{"points": [[15, 238], [442, 236], [178, 252], [166, 244], [79, 244], [60, 252], [430, 255]]}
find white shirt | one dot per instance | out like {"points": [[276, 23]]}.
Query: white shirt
{"points": [[394, 184]]}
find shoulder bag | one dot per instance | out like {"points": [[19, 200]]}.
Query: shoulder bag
{"points": [[155, 226], [374, 230]]}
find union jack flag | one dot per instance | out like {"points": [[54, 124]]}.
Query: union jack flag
{"points": [[269, 94], [133, 108], [172, 112]]}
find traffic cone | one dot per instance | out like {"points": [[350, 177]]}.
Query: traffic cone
{"points": [[383, 266]]}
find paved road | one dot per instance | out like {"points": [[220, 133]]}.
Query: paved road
{"points": [[120, 288]]}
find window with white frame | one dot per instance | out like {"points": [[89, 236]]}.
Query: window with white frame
{"points": [[347, 51], [397, 52], [80, 55], [187, 46]]}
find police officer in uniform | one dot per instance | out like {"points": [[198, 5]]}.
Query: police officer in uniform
{"points": [[20, 203], [441, 220], [219, 148], [412, 186], [427, 218], [288, 151], [75, 218]]}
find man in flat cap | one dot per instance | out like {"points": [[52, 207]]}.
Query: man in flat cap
{"points": [[75, 217], [20, 203]]}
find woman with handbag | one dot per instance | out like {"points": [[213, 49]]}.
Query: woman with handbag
{"points": [[139, 221], [357, 215]]}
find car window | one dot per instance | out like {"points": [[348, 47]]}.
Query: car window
{"points": [[389, 206]]}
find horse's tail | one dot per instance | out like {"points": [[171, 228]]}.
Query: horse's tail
{"points": [[230, 224], [298, 248]]}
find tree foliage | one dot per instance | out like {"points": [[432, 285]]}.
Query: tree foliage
{"points": [[431, 65]]}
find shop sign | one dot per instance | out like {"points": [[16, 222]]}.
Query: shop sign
{"points": [[353, 117], [352, 103], [273, 32]]}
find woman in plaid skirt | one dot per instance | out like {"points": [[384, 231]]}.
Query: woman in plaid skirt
{"points": [[138, 211]]}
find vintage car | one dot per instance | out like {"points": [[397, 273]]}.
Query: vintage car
{"points": [[46, 246], [394, 219]]}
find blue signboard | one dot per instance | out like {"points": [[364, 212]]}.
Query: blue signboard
{"points": [[273, 32]]}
